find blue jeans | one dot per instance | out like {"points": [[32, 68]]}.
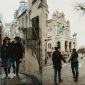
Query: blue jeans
{"points": [[5, 62], [11, 62], [75, 71]]}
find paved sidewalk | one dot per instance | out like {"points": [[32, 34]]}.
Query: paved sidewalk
{"points": [[24, 79], [48, 75]]}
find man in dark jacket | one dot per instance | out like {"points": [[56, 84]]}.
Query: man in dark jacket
{"points": [[17, 53], [57, 57]]}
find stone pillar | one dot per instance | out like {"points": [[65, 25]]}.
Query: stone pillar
{"points": [[62, 46], [68, 46], [43, 31], [72, 45]]}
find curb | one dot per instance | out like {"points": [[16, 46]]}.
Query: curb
{"points": [[34, 78]]}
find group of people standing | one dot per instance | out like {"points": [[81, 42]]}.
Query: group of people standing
{"points": [[57, 59], [11, 55]]}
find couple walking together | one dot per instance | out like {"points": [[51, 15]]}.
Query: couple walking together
{"points": [[11, 55], [57, 59]]}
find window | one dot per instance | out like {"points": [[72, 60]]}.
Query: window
{"points": [[22, 22], [49, 45], [26, 17]]}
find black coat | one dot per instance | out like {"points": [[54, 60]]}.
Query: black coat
{"points": [[74, 58], [57, 57], [5, 51], [17, 50]]}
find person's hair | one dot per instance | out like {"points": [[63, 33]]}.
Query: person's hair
{"points": [[74, 50], [4, 41], [17, 38], [56, 48]]}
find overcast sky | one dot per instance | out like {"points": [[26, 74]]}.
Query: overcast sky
{"points": [[77, 20], [7, 9]]}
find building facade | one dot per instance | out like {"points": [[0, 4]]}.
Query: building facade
{"points": [[28, 34], [59, 34], [21, 18], [38, 11]]}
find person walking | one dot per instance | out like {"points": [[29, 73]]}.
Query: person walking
{"points": [[74, 64], [45, 61], [17, 53], [57, 57], [12, 58], [5, 55]]}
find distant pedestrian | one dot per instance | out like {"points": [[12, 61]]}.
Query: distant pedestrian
{"points": [[57, 57], [74, 64], [17, 53], [45, 61], [5, 55]]}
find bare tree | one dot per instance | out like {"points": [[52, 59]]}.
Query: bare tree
{"points": [[80, 7]]}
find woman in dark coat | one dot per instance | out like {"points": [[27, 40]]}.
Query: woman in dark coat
{"points": [[5, 55], [57, 57], [74, 64]]}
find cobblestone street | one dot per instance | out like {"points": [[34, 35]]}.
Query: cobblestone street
{"points": [[48, 74]]}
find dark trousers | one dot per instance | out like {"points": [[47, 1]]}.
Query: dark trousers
{"points": [[17, 67], [11, 62], [6, 71], [5, 66], [74, 67], [57, 73]]}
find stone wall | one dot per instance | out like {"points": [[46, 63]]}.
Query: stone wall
{"points": [[31, 63]]}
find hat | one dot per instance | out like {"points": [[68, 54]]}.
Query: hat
{"points": [[7, 38]]}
